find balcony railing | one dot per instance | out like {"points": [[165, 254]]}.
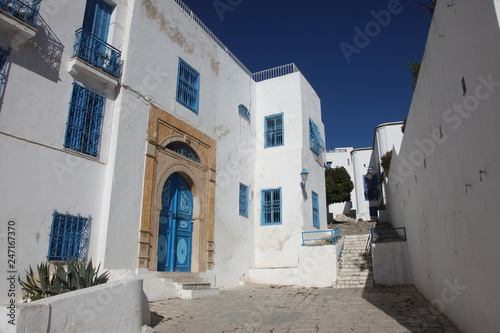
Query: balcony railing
{"points": [[97, 53], [25, 10], [4, 59]]}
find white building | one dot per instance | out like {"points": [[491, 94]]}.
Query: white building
{"points": [[129, 134], [368, 171], [443, 182], [341, 157]]}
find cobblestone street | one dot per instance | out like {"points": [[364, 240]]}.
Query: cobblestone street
{"points": [[259, 308]]}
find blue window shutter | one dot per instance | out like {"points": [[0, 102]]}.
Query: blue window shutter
{"points": [[188, 86], [273, 130], [243, 200], [316, 143], [271, 209], [69, 237], [102, 18], [329, 165], [366, 188], [83, 129], [315, 207]]}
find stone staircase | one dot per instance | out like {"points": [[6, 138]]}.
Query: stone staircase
{"points": [[356, 270], [189, 285]]}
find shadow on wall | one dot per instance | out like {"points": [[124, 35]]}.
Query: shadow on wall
{"points": [[43, 53]]}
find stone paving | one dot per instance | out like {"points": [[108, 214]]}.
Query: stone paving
{"points": [[261, 308]]}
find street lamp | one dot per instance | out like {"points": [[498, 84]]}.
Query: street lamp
{"points": [[303, 175]]}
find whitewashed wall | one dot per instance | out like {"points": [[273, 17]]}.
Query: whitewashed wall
{"points": [[437, 188], [361, 159]]}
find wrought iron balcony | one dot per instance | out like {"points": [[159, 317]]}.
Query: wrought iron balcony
{"points": [[4, 59], [25, 10], [97, 53]]}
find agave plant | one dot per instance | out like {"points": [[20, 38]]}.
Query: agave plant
{"points": [[77, 275]]}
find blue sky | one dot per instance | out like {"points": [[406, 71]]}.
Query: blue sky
{"points": [[356, 96]]}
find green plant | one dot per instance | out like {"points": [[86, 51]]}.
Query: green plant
{"points": [[338, 185], [415, 70], [386, 162], [77, 275]]}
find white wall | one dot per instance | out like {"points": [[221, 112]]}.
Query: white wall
{"points": [[452, 227], [361, 159]]}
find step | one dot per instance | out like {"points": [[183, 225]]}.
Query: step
{"points": [[193, 285], [197, 293], [180, 276]]}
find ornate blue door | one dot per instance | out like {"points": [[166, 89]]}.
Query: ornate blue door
{"points": [[175, 231]]}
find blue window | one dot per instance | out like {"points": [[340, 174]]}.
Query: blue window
{"points": [[315, 204], [243, 111], [69, 237], [83, 130], [316, 143], [274, 130], [91, 40], [188, 86], [4, 59], [183, 149], [243, 200], [25, 10], [271, 207], [328, 165], [372, 189]]}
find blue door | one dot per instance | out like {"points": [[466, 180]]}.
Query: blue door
{"points": [[96, 24], [175, 231]]}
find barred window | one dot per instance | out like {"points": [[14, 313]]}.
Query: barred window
{"points": [[316, 143], [271, 207], [69, 237], [243, 200], [188, 85], [243, 111], [83, 129], [315, 207], [274, 130]]}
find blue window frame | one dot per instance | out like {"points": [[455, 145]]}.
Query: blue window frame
{"points": [[243, 200], [316, 143], [243, 111], [4, 59], [328, 165], [271, 207], [69, 237], [315, 207], [274, 130], [83, 129], [188, 86], [184, 150]]}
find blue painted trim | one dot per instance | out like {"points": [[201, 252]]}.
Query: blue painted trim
{"points": [[316, 143], [69, 237], [243, 112], [315, 210], [270, 205], [243, 200], [274, 132], [188, 86]]}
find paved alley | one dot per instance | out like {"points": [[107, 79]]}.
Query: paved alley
{"points": [[260, 308]]}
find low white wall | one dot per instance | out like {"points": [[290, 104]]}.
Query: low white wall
{"points": [[317, 267], [391, 263], [112, 307]]}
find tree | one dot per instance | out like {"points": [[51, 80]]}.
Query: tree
{"points": [[415, 70], [338, 185], [430, 9], [386, 162]]}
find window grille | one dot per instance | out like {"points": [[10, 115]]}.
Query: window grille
{"points": [[316, 143], [184, 150], [25, 10], [243, 200], [83, 129], [274, 130], [188, 85], [243, 111], [315, 207], [69, 237], [271, 207], [4, 59]]}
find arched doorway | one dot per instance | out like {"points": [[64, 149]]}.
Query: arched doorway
{"points": [[175, 227]]}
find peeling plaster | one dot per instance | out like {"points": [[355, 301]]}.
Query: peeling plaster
{"points": [[215, 66], [221, 131], [171, 32]]}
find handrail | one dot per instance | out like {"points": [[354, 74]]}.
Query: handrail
{"points": [[373, 235], [335, 235], [97, 53], [26, 11]]}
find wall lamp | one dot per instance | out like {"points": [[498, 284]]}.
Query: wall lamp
{"points": [[303, 175]]}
